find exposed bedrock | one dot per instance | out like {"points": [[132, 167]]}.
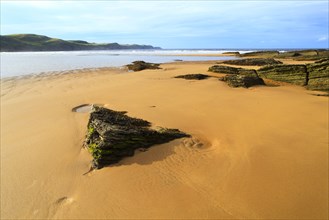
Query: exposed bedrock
{"points": [[112, 135]]}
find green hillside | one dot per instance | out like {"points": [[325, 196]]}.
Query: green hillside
{"points": [[33, 42]]}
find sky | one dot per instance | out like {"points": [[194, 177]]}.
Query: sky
{"points": [[174, 24]]}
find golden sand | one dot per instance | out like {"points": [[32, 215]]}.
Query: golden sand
{"points": [[264, 150]]}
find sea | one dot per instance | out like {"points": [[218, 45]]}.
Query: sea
{"points": [[25, 63]]}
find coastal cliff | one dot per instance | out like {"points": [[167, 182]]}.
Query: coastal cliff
{"points": [[33, 42]]}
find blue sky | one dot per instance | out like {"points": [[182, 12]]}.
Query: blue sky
{"points": [[174, 24]]}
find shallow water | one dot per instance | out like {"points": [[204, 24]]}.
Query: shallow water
{"points": [[24, 63], [85, 108]]}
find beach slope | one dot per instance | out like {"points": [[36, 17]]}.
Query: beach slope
{"points": [[257, 153]]}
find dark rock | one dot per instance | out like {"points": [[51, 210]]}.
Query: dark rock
{"points": [[296, 55], [141, 65], [318, 75], [322, 60], [113, 135], [305, 54], [224, 69], [193, 76], [242, 80], [231, 53], [248, 72], [294, 74], [261, 54], [232, 70], [253, 62]]}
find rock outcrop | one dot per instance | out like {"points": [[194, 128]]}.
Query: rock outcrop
{"points": [[232, 70], [294, 74], [113, 135], [318, 75], [315, 76], [238, 77], [295, 55], [242, 80], [224, 69], [141, 65], [248, 72], [253, 62], [197, 76]]}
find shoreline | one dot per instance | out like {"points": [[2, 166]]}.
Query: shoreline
{"points": [[72, 71], [260, 157]]}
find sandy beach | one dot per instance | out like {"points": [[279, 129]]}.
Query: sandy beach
{"points": [[257, 153]]}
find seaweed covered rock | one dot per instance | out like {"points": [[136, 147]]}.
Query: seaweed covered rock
{"points": [[296, 55], [253, 62], [294, 74], [232, 70], [197, 76], [318, 75], [248, 72], [112, 135], [242, 80], [305, 54], [223, 69], [141, 65]]}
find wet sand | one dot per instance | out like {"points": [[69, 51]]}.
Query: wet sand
{"points": [[258, 153]]}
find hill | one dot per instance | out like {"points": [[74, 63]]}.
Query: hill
{"points": [[33, 42]]}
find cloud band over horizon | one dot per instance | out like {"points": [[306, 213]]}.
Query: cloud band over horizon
{"points": [[174, 24]]}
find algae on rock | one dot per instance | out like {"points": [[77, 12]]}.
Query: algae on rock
{"points": [[224, 69], [294, 74], [112, 135], [253, 62], [141, 65], [318, 75], [245, 81]]}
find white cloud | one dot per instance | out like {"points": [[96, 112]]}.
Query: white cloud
{"points": [[323, 38], [42, 4]]}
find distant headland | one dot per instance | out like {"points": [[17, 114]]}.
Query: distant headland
{"points": [[33, 42]]}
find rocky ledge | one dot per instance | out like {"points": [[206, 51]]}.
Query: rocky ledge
{"points": [[314, 76], [238, 77], [230, 70], [295, 55], [141, 65], [112, 135], [253, 62], [242, 80]]}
